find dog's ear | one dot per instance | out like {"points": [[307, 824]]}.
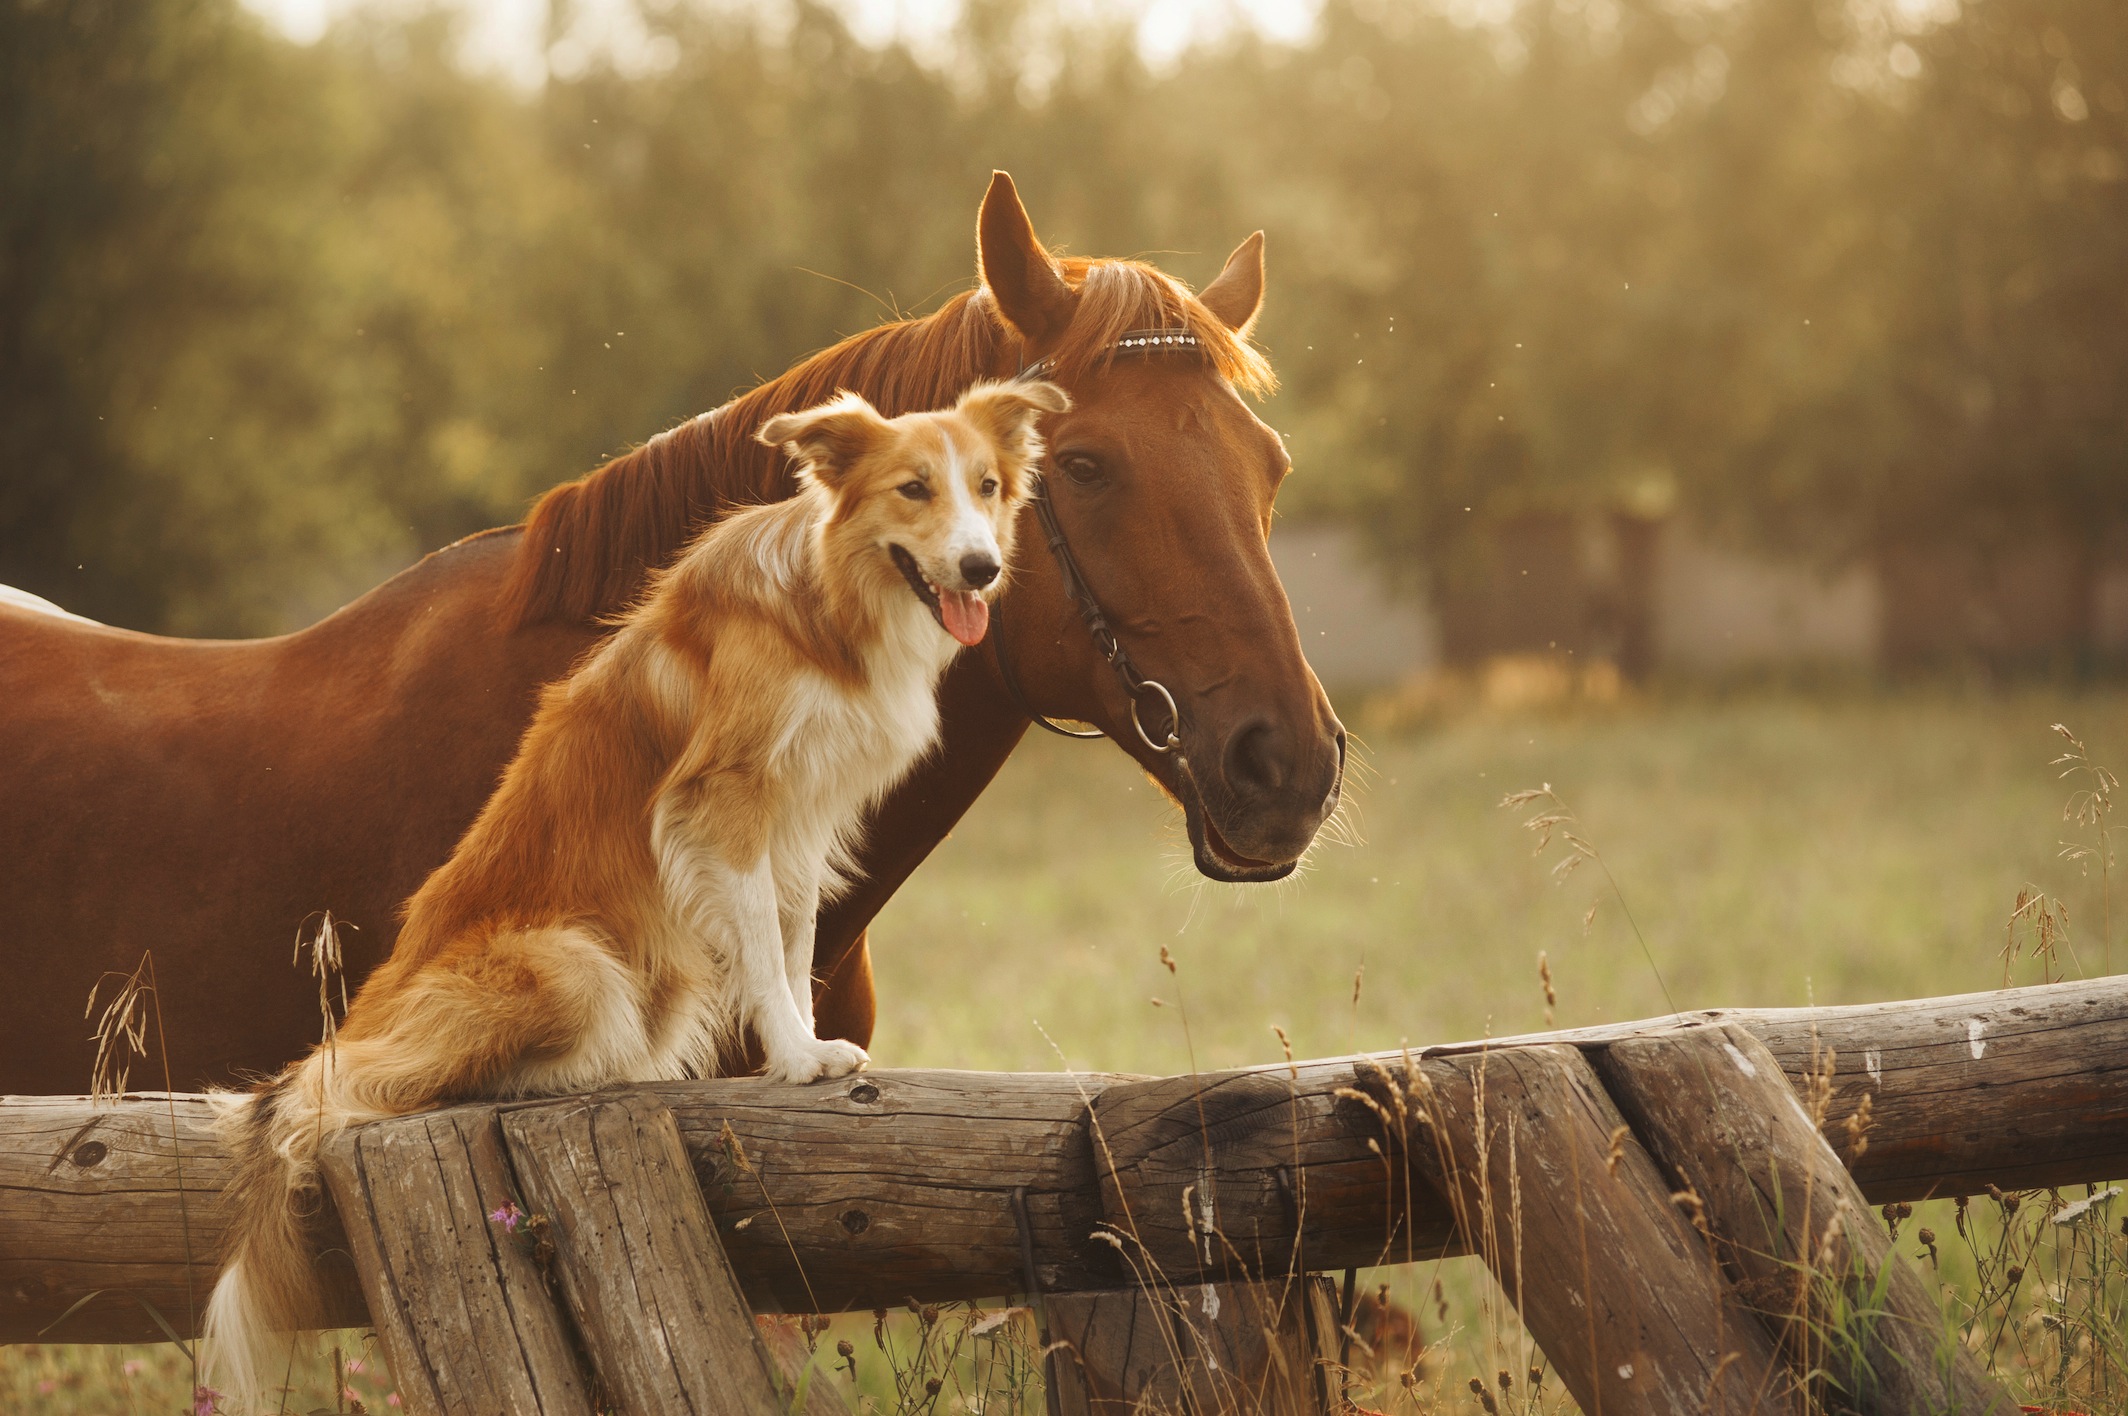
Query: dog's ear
{"points": [[827, 441], [1007, 406], [1006, 411]]}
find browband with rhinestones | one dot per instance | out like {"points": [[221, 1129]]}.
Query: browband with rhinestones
{"points": [[1138, 340], [1157, 339]]}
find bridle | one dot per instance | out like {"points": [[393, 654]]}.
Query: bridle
{"points": [[1136, 685]]}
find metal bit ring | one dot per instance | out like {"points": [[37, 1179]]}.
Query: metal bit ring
{"points": [[1174, 717]]}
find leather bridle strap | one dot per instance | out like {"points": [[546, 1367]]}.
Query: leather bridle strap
{"points": [[1136, 685]]}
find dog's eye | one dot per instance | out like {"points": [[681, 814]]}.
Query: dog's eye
{"points": [[915, 491], [989, 487]]}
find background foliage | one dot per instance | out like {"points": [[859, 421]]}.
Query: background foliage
{"points": [[276, 318]]}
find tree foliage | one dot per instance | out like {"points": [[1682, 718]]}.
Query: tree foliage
{"points": [[276, 318]]}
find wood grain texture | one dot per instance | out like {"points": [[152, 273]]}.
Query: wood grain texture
{"points": [[888, 1185], [467, 1320], [1580, 1231], [1714, 1108], [1234, 1349], [871, 1196], [638, 1260], [1277, 1171], [2019, 1087], [122, 1200]]}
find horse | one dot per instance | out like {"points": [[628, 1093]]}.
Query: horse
{"points": [[202, 803]]}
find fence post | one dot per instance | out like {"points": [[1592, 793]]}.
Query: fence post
{"points": [[1551, 1191], [637, 1259], [1791, 1225], [465, 1316], [1216, 1349]]}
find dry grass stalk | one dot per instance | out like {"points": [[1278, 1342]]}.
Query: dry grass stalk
{"points": [[121, 1030], [2089, 807], [121, 1040], [2042, 921]]}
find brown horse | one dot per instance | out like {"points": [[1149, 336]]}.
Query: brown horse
{"points": [[205, 799]]}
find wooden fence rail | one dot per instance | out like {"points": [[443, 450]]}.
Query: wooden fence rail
{"points": [[893, 1184]]}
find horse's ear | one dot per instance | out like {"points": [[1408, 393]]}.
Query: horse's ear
{"points": [[828, 440], [1029, 290], [1237, 294]]}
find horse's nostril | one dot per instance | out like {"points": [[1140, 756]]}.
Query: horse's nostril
{"points": [[978, 570], [1254, 761]]}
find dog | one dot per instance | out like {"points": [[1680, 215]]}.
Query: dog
{"points": [[641, 888]]}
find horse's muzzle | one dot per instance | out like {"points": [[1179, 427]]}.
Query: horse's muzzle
{"points": [[1254, 820]]}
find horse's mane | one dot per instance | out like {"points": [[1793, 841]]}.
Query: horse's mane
{"points": [[588, 544]]}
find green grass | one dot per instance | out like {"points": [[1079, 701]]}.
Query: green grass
{"points": [[1775, 849]]}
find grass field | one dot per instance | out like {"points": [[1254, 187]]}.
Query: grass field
{"points": [[1774, 848]]}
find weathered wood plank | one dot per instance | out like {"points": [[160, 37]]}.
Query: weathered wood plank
{"points": [[1235, 1349], [888, 1185], [465, 1315], [909, 1192], [2018, 1087], [1272, 1163], [1790, 1224], [91, 1202], [638, 1260]]}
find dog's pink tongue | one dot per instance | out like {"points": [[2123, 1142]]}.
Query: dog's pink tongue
{"points": [[966, 615]]}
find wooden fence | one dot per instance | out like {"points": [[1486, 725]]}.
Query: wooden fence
{"points": [[1557, 1158]]}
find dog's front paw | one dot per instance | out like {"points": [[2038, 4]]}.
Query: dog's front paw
{"points": [[814, 1061]]}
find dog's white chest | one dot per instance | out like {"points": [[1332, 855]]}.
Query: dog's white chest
{"points": [[850, 746]]}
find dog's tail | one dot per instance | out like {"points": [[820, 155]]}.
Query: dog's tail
{"points": [[268, 1291]]}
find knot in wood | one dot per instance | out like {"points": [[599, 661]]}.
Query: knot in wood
{"points": [[856, 1221], [90, 1153], [864, 1094]]}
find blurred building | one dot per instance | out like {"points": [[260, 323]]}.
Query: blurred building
{"points": [[1356, 631], [1663, 596]]}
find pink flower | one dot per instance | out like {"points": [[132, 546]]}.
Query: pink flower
{"points": [[206, 1401], [354, 1364], [132, 1366], [46, 1388], [508, 1216], [392, 1400]]}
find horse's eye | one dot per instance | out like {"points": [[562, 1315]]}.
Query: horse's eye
{"points": [[915, 491], [1079, 467], [989, 487]]}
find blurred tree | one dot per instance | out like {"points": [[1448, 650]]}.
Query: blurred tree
{"points": [[275, 318]]}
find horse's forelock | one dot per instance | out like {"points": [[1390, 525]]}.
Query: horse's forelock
{"points": [[1118, 297]]}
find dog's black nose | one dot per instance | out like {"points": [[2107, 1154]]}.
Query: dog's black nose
{"points": [[978, 570]]}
